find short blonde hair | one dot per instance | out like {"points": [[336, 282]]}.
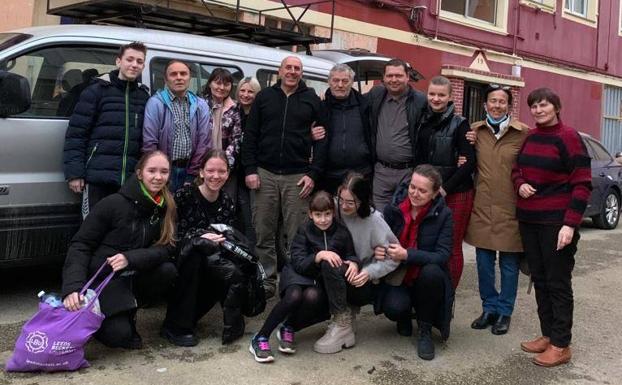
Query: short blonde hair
{"points": [[251, 81]]}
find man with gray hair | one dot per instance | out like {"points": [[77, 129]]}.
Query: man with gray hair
{"points": [[348, 133]]}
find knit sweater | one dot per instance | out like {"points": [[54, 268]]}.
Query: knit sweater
{"points": [[367, 233], [555, 162]]}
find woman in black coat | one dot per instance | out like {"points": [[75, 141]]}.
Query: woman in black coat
{"points": [[132, 231], [423, 224], [207, 274]]}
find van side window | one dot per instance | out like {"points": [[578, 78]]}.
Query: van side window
{"points": [[269, 77], [57, 75], [199, 76]]}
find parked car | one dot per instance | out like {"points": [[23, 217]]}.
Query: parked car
{"points": [[604, 205]]}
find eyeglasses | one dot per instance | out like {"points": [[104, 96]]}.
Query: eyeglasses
{"points": [[346, 202], [500, 87]]}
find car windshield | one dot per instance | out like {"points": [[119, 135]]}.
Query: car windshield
{"points": [[9, 39]]}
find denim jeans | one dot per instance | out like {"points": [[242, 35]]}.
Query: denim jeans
{"points": [[500, 302], [179, 176]]}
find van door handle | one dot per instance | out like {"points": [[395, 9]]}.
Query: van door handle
{"points": [[5, 189]]}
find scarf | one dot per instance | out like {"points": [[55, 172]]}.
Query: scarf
{"points": [[408, 237], [496, 125]]}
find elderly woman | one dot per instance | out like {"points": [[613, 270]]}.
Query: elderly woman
{"points": [[248, 88], [552, 176], [423, 224]]}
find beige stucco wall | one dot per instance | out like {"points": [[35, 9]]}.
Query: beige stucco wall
{"points": [[24, 13]]}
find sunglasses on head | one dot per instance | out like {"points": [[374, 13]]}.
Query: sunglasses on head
{"points": [[500, 87]]}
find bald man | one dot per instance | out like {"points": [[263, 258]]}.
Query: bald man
{"points": [[281, 161]]}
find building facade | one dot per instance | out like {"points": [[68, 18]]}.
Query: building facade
{"points": [[568, 45]]}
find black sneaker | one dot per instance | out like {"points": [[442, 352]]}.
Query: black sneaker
{"points": [[260, 349], [285, 335]]}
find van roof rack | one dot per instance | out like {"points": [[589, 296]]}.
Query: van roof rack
{"points": [[223, 18]]}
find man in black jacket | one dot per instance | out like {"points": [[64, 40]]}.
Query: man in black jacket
{"points": [[396, 111], [281, 162], [103, 140], [348, 131]]}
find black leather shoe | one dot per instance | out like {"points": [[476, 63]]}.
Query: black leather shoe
{"points": [[502, 325], [179, 339], [405, 327], [484, 320]]}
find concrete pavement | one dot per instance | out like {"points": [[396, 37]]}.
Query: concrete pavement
{"points": [[380, 356]]}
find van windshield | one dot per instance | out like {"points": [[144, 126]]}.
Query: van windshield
{"points": [[9, 39]]}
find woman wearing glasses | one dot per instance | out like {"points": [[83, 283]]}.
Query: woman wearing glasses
{"points": [[497, 140]]}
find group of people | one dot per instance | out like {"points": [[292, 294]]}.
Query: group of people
{"points": [[371, 194]]}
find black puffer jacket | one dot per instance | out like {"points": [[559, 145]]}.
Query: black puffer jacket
{"points": [[104, 137], [127, 222], [277, 136], [309, 240]]}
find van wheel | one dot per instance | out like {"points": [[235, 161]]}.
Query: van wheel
{"points": [[609, 211]]}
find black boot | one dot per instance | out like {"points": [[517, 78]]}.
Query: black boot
{"points": [[405, 327], [425, 345], [233, 325]]}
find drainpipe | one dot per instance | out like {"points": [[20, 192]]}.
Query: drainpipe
{"points": [[516, 27], [597, 35], [438, 16]]}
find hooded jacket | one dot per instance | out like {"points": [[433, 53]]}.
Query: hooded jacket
{"points": [[126, 222], [159, 127], [104, 137], [278, 133]]}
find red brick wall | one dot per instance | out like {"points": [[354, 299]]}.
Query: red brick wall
{"points": [[457, 87]]}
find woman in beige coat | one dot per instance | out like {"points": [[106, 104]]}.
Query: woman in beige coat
{"points": [[493, 226]]}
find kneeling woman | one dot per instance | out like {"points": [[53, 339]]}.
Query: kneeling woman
{"points": [[423, 225], [206, 275], [133, 231]]}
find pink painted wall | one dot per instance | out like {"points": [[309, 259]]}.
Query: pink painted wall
{"points": [[530, 33], [581, 100]]}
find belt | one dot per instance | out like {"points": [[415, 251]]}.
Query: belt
{"points": [[180, 163], [397, 166]]}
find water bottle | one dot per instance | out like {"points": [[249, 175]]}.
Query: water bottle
{"points": [[52, 299], [90, 296]]}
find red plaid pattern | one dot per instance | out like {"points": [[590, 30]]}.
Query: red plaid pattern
{"points": [[460, 204]]}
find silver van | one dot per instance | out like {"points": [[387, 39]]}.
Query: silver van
{"points": [[38, 212]]}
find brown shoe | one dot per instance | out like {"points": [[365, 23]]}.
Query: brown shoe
{"points": [[553, 356], [536, 346]]}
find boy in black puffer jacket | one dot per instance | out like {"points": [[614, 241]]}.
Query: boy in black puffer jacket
{"points": [[104, 136]]}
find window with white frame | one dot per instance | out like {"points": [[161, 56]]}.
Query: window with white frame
{"points": [[577, 7], [484, 10]]}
